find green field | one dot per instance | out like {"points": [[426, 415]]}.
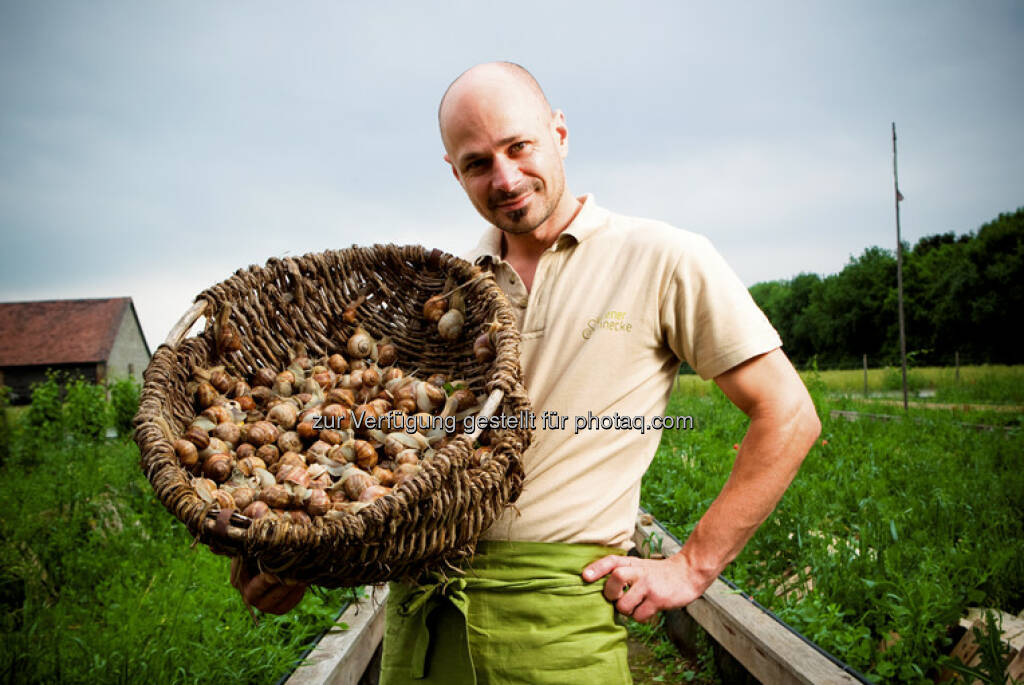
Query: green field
{"points": [[98, 583], [896, 526], [995, 384]]}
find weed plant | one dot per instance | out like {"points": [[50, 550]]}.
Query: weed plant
{"points": [[897, 526], [98, 583]]}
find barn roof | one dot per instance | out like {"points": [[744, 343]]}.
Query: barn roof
{"points": [[59, 331]]}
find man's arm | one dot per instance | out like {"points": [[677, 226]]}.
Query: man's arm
{"points": [[783, 426]]}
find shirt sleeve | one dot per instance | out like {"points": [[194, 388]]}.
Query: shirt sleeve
{"points": [[708, 317]]}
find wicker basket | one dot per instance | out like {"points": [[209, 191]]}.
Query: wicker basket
{"points": [[430, 522]]}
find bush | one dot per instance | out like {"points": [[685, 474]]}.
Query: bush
{"points": [[86, 411], [124, 404], [98, 583], [5, 430]]}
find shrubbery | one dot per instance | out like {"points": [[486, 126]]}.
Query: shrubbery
{"points": [[898, 526], [98, 583]]}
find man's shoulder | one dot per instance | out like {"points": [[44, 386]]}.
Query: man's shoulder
{"points": [[656, 234]]}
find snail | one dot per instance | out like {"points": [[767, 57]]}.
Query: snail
{"points": [[217, 467], [361, 344], [337, 363], [319, 503], [187, 453], [434, 308], [325, 436], [283, 415], [265, 377], [450, 325], [206, 395]]}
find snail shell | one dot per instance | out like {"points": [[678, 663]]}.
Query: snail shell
{"points": [[217, 467], [383, 476], [228, 432], [256, 510], [243, 497], [261, 433], [198, 437], [290, 442], [269, 454], [434, 308], [374, 492], [187, 453], [360, 345], [224, 499], [450, 325], [319, 503], [264, 377], [221, 380], [482, 348], [206, 395], [364, 454], [338, 364], [283, 415]]}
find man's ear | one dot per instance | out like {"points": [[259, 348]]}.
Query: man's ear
{"points": [[560, 132], [455, 171]]}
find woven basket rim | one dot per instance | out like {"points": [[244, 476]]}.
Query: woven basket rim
{"points": [[309, 278]]}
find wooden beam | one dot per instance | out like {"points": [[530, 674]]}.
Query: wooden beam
{"points": [[341, 656], [769, 650]]}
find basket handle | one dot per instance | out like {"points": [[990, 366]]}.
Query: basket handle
{"points": [[185, 323]]}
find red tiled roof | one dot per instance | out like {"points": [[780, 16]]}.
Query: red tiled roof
{"points": [[59, 331]]}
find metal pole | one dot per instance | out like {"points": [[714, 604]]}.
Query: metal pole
{"points": [[899, 269], [957, 359], [865, 374]]}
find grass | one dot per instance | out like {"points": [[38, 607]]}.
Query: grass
{"points": [[653, 658], [900, 526], [969, 415], [992, 384], [98, 583]]}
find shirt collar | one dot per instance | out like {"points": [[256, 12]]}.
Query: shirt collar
{"points": [[588, 221]]}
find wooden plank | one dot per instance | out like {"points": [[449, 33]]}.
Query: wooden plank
{"points": [[965, 651], [340, 657], [771, 652], [1011, 627], [1015, 671]]}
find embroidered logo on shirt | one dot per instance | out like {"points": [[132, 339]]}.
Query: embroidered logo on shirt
{"points": [[611, 321]]}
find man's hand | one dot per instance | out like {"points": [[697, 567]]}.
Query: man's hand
{"points": [[783, 426], [640, 588], [264, 591]]}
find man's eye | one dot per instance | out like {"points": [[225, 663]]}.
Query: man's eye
{"points": [[517, 147], [474, 165]]}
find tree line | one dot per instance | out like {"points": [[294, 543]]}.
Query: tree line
{"points": [[960, 294]]}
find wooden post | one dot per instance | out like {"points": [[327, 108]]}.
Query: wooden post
{"points": [[956, 359], [865, 374], [773, 653], [899, 269]]}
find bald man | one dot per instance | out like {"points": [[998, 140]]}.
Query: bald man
{"points": [[607, 307]]}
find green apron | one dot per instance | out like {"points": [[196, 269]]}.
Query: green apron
{"points": [[521, 614]]}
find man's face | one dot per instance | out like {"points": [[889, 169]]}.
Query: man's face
{"points": [[506, 151]]}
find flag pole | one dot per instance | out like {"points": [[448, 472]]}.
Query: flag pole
{"points": [[899, 269]]}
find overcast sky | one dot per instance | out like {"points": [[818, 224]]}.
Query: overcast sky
{"points": [[150, 149]]}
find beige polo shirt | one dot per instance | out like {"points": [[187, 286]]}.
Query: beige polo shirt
{"points": [[616, 303]]}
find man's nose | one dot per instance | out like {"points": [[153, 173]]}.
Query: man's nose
{"points": [[506, 173]]}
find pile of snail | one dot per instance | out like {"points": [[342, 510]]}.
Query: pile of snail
{"points": [[326, 436]]}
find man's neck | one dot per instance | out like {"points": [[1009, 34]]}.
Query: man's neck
{"points": [[528, 247], [523, 251]]}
